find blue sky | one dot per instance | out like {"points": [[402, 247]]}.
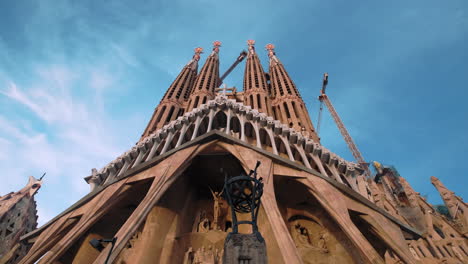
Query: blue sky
{"points": [[79, 79]]}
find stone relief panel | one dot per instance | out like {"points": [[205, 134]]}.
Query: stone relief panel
{"points": [[315, 243], [317, 237]]}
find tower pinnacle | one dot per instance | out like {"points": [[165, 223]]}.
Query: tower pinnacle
{"points": [[288, 106], [255, 83], [172, 104], [251, 44], [207, 80]]}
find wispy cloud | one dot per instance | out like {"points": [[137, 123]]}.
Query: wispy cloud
{"points": [[65, 135], [79, 79]]}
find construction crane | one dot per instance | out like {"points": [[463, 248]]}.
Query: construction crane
{"points": [[323, 98], [239, 59]]}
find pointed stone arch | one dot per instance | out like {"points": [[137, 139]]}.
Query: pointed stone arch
{"points": [[283, 148], [114, 206], [312, 163], [160, 147], [188, 133], [175, 139], [220, 121], [180, 216], [203, 126], [250, 133], [266, 140], [235, 127], [318, 237], [296, 155]]}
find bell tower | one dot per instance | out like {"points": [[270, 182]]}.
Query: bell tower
{"points": [[255, 83], [172, 104], [207, 80], [288, 106]]}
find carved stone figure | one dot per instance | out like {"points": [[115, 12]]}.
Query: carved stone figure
{"points": [[244, 248], [302, 235], [203, 256], [189, 254], [203, 223], [217, 199], [322, 243]]}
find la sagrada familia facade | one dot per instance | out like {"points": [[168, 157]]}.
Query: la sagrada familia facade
{"points": [[162, 201]]}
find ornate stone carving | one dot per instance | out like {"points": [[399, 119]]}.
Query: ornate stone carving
{"points": [[218, 204], [203, 223], [301, 235], [244, 248], [203, 256]]}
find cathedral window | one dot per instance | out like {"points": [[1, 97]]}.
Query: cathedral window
{"points": [[422, 252], [286, 110], [195, 104], [169, 115], [160, 114]]}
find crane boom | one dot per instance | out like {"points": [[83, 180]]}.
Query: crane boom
{"points": [[239, 59], [344, 132]]}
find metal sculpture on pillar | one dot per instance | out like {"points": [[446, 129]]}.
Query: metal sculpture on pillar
{"points": [[243, 194]]}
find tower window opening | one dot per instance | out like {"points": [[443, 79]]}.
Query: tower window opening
{"points": [[204, 100], [256, 76], [195, 104], [448, 252], [278, 82], [285, 81], [169, 115], [463, 250], [160, 114], [440, 251], [295, 109], [288, 115], [259, 102], [249, 77], [189, 87], [184, 85], [422, 252], [174, 86]]}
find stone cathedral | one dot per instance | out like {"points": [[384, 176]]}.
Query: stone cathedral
{"points": [[162, 201]]}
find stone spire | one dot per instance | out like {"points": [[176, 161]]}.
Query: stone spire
{"points": [[17, 217], [207, 81], [172, 104], [255, 83], [288, 106], [455, 205]]}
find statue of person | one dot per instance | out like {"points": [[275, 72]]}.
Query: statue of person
{"points": [[199, 256], [204, 223], [322, 243], [188, 258], [217, 208], [302, 235]]}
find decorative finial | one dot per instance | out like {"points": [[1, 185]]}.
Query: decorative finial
{"points": [[198, 51], [271, 50], [216, 45], [251, 44]]}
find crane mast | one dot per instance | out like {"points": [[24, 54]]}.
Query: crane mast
{"points": [[323, 98]]}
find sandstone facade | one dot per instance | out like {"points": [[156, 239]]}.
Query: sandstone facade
{"points": [[159, 199]]}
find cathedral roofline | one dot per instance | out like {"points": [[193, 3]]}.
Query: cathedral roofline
{"points": [[279, 128]]}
